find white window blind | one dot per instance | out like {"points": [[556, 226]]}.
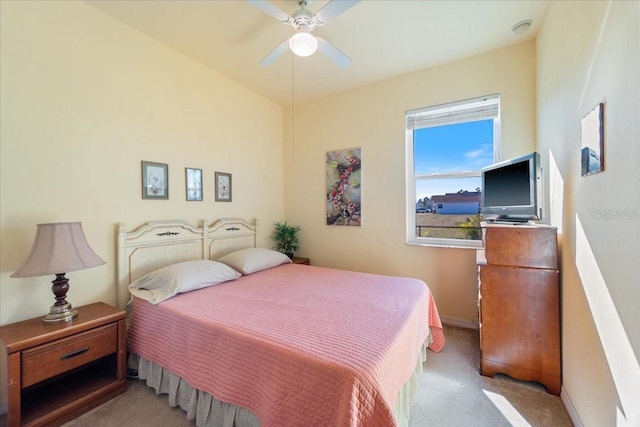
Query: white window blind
{"points": [[482, 108]]}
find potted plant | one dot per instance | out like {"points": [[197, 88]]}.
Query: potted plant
{"points": [[286, 238]]}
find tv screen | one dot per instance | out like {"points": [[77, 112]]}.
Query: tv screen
{"points": [[510, 189]]}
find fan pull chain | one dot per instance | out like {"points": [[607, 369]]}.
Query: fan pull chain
{"points": [[293, 110]]}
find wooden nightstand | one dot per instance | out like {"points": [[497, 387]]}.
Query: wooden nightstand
{"points": [[58, 371], [300, 260]]}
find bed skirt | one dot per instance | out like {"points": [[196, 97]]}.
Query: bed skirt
{"points": [[207, 411]]}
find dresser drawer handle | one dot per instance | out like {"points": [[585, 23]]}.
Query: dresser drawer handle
{"points": [[74, 353]]}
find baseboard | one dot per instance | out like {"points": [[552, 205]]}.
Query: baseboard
{"points": [[461, 323], [571, 410]]}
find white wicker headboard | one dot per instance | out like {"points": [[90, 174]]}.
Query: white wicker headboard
{"points": [[157, 244]]}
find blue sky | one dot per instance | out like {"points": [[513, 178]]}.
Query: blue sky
{"points": [[453, 148]]}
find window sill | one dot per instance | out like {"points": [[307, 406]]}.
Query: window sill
{"points": [[446, 243]]}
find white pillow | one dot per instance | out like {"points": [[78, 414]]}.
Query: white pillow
{"points": [[171, 280], [252, 260]]}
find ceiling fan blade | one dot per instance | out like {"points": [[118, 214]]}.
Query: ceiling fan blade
{"points": [[270, 9], [335, 54], [332, 9], [275, 54]]}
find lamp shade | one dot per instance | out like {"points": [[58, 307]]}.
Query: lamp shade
{"points": [[303, 44], [58, 248]]}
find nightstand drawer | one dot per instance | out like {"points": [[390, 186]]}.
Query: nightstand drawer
{"points": [[45, 361]]}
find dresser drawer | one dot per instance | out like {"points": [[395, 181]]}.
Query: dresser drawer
{"points": [[521, 246], [45, 361]]}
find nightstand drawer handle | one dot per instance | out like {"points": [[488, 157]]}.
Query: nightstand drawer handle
{"points": [[74, 353]]}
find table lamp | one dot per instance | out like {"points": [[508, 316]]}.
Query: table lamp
{"points": [[58, 248]]}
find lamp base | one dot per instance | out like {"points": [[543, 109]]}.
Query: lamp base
{"points": [[60, 313]]}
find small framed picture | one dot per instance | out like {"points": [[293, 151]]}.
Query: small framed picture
{"points": [[193, 179], [223, 187], [592, 141], [155, 180]]}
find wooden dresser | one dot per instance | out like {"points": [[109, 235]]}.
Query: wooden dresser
{"points": [[519, 301]]}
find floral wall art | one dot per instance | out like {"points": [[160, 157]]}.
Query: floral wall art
{"points": [[155, 180], [344, 187], [223, 187]]}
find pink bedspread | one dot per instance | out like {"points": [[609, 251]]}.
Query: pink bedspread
{"points": [[297, 345]]}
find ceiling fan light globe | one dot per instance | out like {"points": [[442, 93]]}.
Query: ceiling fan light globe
{"points": [[303, 44]]}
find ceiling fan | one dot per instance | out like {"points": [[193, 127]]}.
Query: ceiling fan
{"points": [[303, 42]]}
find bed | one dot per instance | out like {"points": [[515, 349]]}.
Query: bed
{"points": [[278, 344]]}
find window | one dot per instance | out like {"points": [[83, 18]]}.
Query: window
{"points": [[447, 146]]}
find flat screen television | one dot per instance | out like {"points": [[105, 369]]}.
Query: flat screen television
{"points": [[512, 190]]}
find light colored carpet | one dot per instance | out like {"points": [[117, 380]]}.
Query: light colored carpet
{"points": [[452, 393]]}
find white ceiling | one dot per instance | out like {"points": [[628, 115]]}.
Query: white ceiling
{"points": [[384, 38]]}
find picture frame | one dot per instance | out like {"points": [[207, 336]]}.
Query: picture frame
{"points": [[592, 141], [193, 184], [344, 187], [155, 180], [223, 187]]}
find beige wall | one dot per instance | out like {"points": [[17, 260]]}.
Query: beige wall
{"points": [[373, 118], [589, 52], [84, 100]]}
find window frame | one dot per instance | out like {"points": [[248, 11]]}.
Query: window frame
{"points": [[469, 110]]}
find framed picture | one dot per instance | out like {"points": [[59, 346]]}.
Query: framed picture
{"points": [[193, 180], [592, 141], [344, 187], [155, 180], [223, 187]]}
